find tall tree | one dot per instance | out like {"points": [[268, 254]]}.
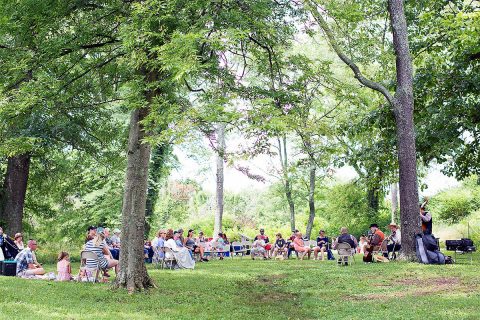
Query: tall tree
{"points": [[220, 160], [402, 106]]}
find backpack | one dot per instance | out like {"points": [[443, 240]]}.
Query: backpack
{"points": [[424, 254]]}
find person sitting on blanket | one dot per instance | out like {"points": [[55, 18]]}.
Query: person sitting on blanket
{"points": [[322, 247], [395, 240], [191, 245], [26, 262], [181, 254], [280, 246], [258, 248], [300, 247]]}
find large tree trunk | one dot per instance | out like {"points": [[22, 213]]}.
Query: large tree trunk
{"points": [[403, 109], [311, 200], [14, 192], [133, 273], [220, 178], [286, 179]]}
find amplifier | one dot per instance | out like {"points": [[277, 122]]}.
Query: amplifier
{"points": [[464, 244], [9, 268]]}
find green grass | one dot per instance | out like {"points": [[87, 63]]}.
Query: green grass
{"points": [[245, 289]]}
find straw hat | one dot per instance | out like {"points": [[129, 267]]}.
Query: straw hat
{"points": [[393, 224]]}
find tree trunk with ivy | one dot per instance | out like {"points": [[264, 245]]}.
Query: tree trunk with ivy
{"points": [[12, 197]]}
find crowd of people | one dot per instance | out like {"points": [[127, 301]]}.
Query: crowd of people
{"points": [[183, 249]]}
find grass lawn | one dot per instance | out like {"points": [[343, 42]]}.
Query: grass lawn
{"points": [[245, 289]]}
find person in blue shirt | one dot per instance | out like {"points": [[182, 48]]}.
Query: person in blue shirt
{"points": [[322, 247]]}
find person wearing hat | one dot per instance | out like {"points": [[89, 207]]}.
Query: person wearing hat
{"points": [[19, 241], [375, 240], [395, 239]]}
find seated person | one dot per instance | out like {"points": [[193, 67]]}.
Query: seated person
{"points": [[376, 238], [345, 237], [108, 240], [181, 254], [322, 247], [362, 244], [116, 238], [258, 248], [100, 248], [191, 245], [300, 247], [395, 240], [64, 269], [178, 238], [157, 244], [290, 242], [26, 262], [374, 242], [264, 237], [148, 251], [220, 245], [19, 241], [280, 246]]}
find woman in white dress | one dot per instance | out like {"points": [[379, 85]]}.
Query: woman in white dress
{"points": [[181, 254]]}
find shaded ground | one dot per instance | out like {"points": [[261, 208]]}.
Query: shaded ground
{"points": [[245, 289]]}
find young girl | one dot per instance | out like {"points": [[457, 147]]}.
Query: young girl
{"points": [[64, 269]]}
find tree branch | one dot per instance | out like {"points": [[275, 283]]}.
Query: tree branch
{"points": [[358, 74]]}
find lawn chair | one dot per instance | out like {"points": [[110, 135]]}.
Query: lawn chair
{"points": [[168, 257], [345, 250], [84, 255], [238, 248]]}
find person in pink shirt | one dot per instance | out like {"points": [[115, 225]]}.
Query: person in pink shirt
{"points": [[300, 247], [64, 269]]}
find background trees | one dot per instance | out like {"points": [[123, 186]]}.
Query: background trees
{"points": [[74, 74]]}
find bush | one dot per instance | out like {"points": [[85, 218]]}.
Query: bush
{"points": [[453, 205]]}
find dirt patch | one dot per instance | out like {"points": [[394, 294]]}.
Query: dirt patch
{"points": [[416, 287], [271, 278]]}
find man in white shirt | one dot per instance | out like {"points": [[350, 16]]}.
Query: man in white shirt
{"points": [[395, 239]]}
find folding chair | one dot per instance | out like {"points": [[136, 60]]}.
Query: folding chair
{"points": [[84, 255], [168, 257], [345, 250]]}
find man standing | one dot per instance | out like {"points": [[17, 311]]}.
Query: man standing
{"points": [[426, 218], [26, 262]]}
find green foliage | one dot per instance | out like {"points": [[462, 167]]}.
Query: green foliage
{"points": [[346, 205], [456, 204]]}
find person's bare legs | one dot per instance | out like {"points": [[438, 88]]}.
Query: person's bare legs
{"points": [[322, 250], [315, 253]]}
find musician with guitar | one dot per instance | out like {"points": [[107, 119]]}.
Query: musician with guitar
{"points": [[394, 239], [375, 240]]}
